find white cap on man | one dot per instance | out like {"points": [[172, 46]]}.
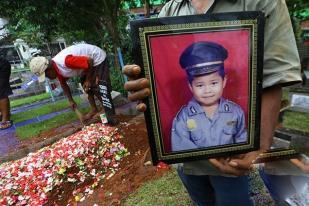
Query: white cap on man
{"points": [[38, 65]]}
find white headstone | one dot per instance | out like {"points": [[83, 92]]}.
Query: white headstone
{"points": [[300, 101], [3, 32]]}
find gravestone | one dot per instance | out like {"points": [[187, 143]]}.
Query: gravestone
{"points": [[293, 139], [300, 102]]}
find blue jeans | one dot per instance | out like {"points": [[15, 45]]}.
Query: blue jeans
{"points": [[206, 190], [281, 187]]}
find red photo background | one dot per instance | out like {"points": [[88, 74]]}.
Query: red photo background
{"points": [[171, 83]]}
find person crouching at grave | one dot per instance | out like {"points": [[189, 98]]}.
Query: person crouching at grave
{"points": [[87, 62]]}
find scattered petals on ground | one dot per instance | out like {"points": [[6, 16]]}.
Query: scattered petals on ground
{"points": [[90, 155]]}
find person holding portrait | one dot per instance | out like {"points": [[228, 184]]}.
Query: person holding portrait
{"points": [[224, 181]]}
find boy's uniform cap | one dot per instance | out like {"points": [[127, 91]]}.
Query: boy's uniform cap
{"points": [[38, 65], [203, 58]]}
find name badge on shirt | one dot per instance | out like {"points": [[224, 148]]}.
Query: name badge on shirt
{"points": [[191, 124], [231, 123]]}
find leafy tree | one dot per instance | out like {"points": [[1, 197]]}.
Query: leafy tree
{"points": [[89, 19], [299, 10], [297, 5]]}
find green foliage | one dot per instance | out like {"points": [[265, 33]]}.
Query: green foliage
{"points": [[296, 9], [140, 3], [28, 100], [26, 31], [296, 5], [76, 20], [98, 22], [166, 191], [117, 80], [302, 14], [35, 16]]}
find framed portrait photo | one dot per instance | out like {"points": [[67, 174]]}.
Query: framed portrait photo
{"points": [[205, 75]]}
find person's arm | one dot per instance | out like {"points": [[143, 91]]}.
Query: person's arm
{"points": [[86, 64], [303, 165], [67, 92], [90, 76], [271, 103], [281, 67]]}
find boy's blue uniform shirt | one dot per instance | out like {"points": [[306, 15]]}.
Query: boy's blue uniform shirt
{"points": [[193, 129]]}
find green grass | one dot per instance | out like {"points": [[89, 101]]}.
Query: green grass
{"points": [[296, 120], [293, 119], [166, 191], [31, 130], [35, 129], [285, 93], [169, 191], [29, 100], [45, 109]]}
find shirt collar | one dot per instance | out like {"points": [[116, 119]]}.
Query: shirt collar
{"points": [[224, 106], [195, 108]]}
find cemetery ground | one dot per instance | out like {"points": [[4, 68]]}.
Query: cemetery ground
{"points": [[133, 171], [136, 181], [133, 182]]}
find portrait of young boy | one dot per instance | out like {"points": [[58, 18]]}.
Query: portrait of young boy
{"points": [[208, 119]]}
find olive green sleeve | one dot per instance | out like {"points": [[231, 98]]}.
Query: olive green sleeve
{"points": [[281, 59]]}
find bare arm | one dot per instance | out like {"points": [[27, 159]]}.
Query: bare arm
{"points": [[90, 71], [90, 76], [301, 164], [271, 101], [67, 92]]}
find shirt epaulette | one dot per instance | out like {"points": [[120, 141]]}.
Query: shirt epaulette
{"points": [[231, 102], [179, 111]]}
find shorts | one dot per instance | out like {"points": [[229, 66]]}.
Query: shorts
{"points": [[5, 73], [102, 72], [93, 89]]}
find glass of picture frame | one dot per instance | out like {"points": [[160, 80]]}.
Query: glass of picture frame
{"points": [[179, 128]]}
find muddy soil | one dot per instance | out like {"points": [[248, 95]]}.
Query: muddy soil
{"points": [[134, 170]]}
